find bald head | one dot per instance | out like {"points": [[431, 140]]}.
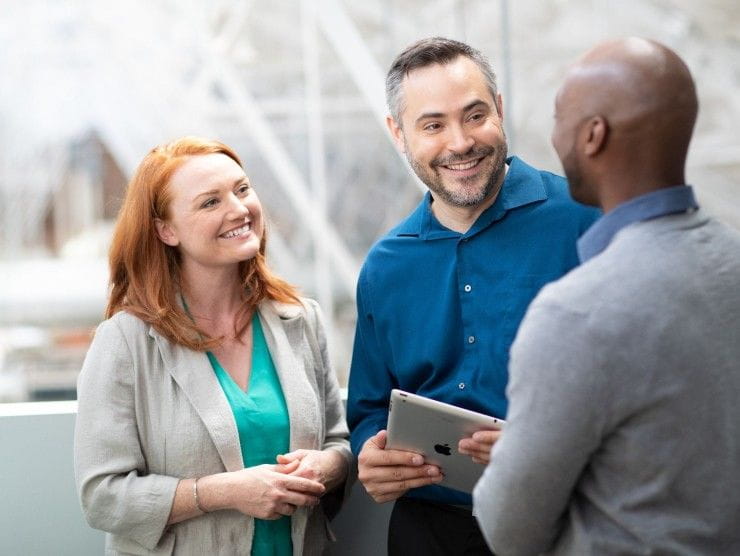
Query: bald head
{"points": [[628, 109], [631, 80]]}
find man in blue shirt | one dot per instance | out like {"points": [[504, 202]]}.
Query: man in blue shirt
{"points": [[623, 432], [440, 297]]}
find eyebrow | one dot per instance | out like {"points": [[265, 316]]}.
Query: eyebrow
{"points": [[468, 107], [237, 181]]}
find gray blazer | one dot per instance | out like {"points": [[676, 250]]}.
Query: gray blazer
{"points": [[152, 412]]}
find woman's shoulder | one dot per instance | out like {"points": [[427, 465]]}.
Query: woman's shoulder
{"points": [[305, 307], [122, 324]]}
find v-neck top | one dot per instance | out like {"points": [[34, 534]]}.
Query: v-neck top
{"points": [[261, 416]]}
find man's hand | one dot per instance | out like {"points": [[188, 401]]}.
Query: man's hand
{"points": [[388, 474], [479, 445]]}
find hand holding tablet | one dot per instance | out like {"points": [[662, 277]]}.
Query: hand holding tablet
{"points": [[434, 429]]}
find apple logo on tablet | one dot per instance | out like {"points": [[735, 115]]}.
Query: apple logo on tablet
{"points": [[443, 449]]}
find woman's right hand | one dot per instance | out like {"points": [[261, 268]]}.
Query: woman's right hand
{"points": [[262, 491]]}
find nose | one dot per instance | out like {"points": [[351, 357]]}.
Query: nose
{"points": [[237, 207], [459, 140]]}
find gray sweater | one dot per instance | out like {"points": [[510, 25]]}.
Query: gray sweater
{"points": [[623, 432]]}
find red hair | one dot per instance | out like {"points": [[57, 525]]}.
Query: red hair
{"points": [[145, 274]]}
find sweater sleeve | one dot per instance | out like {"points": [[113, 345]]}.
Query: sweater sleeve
{"points": [[557, 414]]}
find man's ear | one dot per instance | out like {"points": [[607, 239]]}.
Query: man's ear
{"points": [[166, 233], [500, 106], [396, 133], [595, 135]]}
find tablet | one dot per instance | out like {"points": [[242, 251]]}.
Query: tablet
{"points": [[433, 429]]}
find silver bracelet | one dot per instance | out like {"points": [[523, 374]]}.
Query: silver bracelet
{"points": [[195, 497]]}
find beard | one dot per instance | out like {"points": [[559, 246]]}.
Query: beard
{"points": [[576, 183], [464, 192]]}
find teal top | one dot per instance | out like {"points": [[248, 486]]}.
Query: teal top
{"points": [[261, 417]]}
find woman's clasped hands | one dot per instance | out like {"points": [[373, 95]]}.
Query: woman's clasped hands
{"points": [[263, 491]]}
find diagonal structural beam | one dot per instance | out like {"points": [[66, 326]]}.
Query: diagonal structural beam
{"points": [[345, 38]]}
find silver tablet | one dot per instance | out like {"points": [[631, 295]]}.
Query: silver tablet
{"points": [[433, 429]]}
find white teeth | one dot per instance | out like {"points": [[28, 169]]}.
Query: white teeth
{"points": [[463, 166], [238, 232]]}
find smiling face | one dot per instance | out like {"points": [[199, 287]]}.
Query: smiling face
{"points": [[214, 218], [452, 132]]}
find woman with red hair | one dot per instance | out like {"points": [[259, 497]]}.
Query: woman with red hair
{"points": [[209, 420]]}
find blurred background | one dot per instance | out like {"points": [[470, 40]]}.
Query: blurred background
{"points": [[296, 87]]}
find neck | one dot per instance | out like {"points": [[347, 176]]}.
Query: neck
{"points": [[458, 219], [212, 294], [614, 195], [630, 173]]}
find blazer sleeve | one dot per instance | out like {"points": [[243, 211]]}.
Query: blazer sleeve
{"points": [[337, 433], [116, 492]]}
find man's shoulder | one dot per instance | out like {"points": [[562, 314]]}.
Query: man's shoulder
{"points": [[631, 274], [554, 190], [523, 171], [388, 244], [578, 290]]}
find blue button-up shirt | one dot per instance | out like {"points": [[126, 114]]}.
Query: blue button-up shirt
{"points": [[438, 310], [662, 202]]}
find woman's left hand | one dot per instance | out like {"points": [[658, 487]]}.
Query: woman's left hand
{"points": [[328, 467]]}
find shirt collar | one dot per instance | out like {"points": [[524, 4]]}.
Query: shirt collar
{"points": [[669, 200], [522, 186]]}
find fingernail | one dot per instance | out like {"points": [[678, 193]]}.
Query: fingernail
{"points": [[433, 472], [417, 460]]}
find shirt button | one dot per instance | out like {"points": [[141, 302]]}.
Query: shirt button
{"points": [[461, 386], [468, 287], [471, 339]]}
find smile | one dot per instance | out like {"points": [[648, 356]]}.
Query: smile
{"points": [[238, 232], [463, 165]]}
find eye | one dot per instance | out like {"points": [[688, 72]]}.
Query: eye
{"points": [[208, 203], [432, 126], [477, 116], [243, 189]]}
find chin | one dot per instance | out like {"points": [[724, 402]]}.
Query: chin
{"points": [[250, 252], [579, 192]]}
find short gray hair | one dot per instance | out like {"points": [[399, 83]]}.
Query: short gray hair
{"points": [[433, 50]]}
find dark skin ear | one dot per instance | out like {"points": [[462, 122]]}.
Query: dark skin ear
{"points": [[597, 132]]}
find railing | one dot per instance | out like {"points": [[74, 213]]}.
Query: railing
{"points": [[40, 514]]}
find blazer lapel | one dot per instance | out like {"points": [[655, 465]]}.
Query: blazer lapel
{"points": [[283, 326], [194, 375]]}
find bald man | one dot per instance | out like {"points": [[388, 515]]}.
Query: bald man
{"points": [[623, 433]]}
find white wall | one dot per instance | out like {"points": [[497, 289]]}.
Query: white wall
{"points": [[39, 512]]}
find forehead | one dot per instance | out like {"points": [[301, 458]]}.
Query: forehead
{"points": [[568, 96], [206, 171], [442, 88]]}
